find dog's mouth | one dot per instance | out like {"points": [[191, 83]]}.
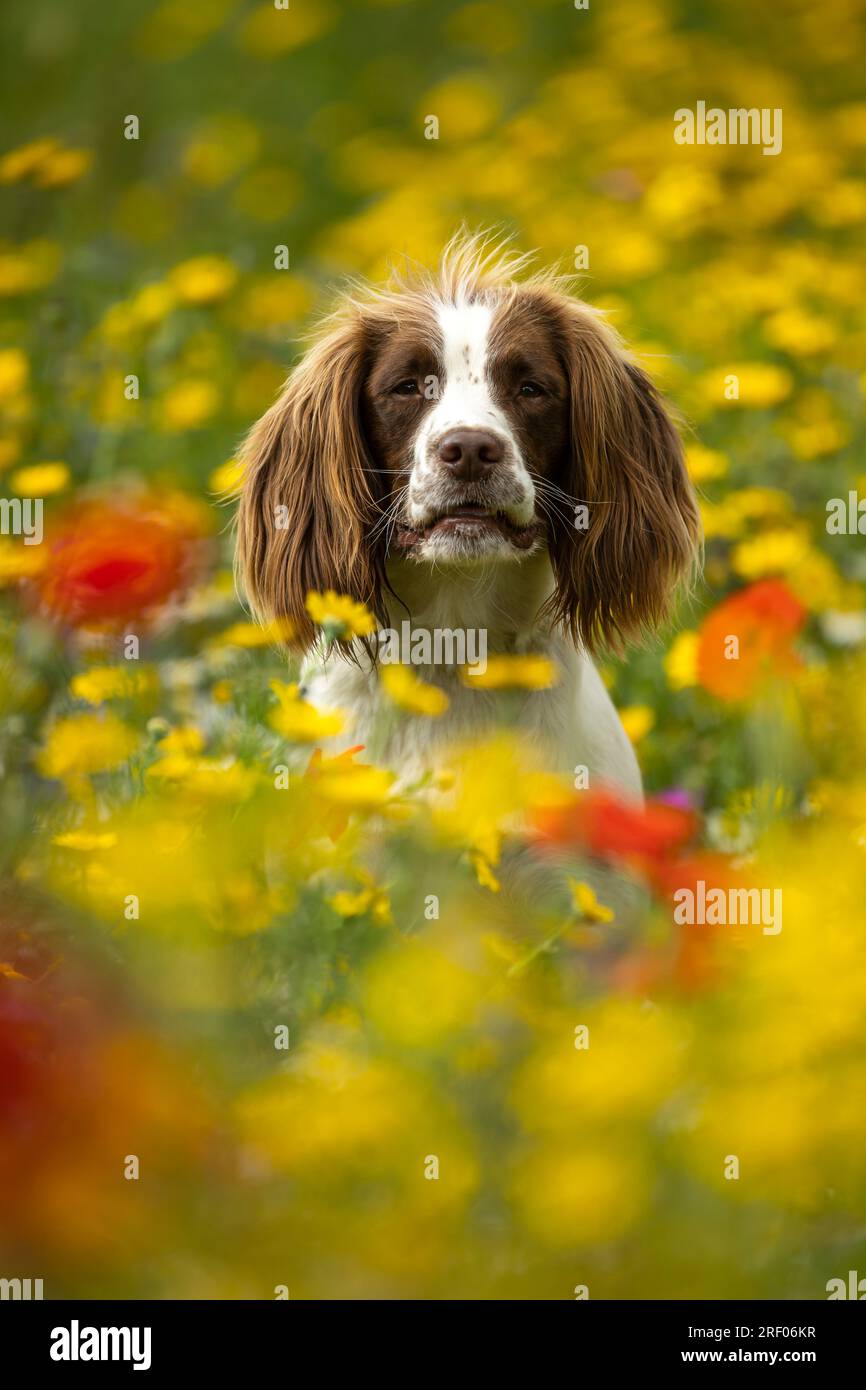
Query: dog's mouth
{"points": [[467, 521]]}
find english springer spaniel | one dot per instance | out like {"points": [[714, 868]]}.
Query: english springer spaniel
{"points": [[471, 450]]}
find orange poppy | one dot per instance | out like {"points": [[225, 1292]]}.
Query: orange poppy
{"points": [[748, 639]]}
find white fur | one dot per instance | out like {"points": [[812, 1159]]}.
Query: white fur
{"points": [[465, 583], [466, 400], [573, 724]]}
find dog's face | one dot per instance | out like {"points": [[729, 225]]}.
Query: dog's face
{"points": [[469, 419]]}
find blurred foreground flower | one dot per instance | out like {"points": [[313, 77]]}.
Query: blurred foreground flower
{"points": [[103, 683], [339, 616], [83, 744], [343, 782], [253, 635], [519, 672], [296, 719], [368, 899], [586, 904], [606, 825], [61, 1167], [408, 692]]}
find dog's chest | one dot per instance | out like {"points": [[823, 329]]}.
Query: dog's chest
{"points": [[572, 725]]}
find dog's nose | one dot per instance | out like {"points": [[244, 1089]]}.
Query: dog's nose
{"points": [[470, 454]]}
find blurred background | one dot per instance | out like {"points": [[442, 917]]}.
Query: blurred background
{"points": [[267, 1023]]}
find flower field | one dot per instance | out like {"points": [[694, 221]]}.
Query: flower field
{"points": [[273, 1022]]}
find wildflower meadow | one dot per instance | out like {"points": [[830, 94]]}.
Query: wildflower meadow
{"points": [[275, 1020]]}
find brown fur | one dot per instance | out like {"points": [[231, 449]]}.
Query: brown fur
{"points": [[332, 459]]}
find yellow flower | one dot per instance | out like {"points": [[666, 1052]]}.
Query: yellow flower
{"points": [[466, 106], [19, 561], [187, 405], [681, 198], [483, 872], [40, 479], [569, 1196], [83, 744], [416, 995], [526, 672], [635, 1059], [637, 721], [10, 448], [152, 303], [751, 504], [63, 167], [268, 32], [85, 840], [772, 552], [681, 662], [370, 900], [186, 739], [173, 29], [354, 785], [28, 267], [818, 584], [705, 464], [339, 616], [759, 503], [14, 373], [145, 310], [24, 162], [256, 635], [210, 778], [272, 301], [203, 280], [494, 784], [46, 162], [755, 385], [586, 904], [103, 683], [842, 204], [300, 721], [799, 333], [406, 691], [227, 480]]}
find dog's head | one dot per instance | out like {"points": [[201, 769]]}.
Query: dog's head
{"points": [[467, 418]]}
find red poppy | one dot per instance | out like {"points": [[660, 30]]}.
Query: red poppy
{"points": [[111, 561], [697, 957], [748, 639], [604, 824]]}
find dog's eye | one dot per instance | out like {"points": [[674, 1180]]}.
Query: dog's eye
{"points": [[409, 387], [530, 388]]}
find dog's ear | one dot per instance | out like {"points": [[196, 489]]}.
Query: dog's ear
{"points": [[615, 578], [307, 501]]}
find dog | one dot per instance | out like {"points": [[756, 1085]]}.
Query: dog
{"points": [[471, 449]]}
